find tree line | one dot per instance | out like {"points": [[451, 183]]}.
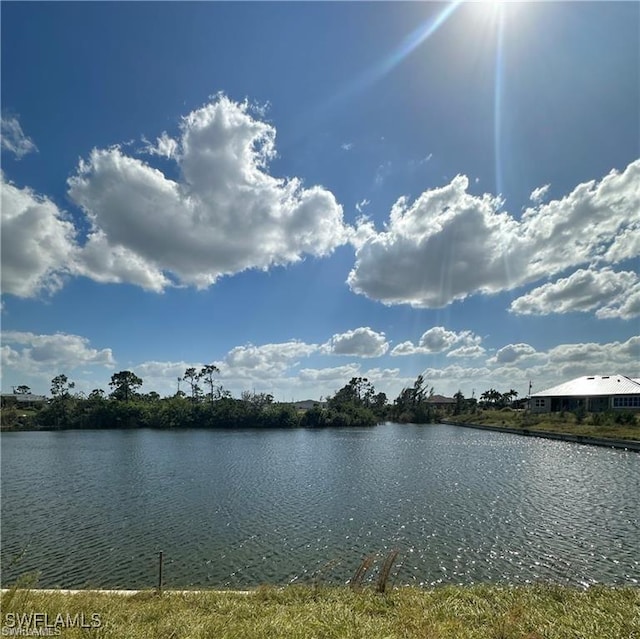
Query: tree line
{"points": [[206, 404]]}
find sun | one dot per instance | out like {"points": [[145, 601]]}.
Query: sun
{"points": [[492, 8], [490, 13]]}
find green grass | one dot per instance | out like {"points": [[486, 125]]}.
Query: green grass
{"points": [[482, 612], [593, 424]]}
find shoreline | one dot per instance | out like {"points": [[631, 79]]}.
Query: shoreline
{"points": [[621, 444], [459, 612], [605, 442]]}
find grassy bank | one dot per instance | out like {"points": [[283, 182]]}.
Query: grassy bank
{"points": [[603, 425], [485, 612]]}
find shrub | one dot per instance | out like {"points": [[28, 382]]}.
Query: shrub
{"points": [[625, 417]]}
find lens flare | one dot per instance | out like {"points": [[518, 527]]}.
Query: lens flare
{"points": [[393, 59]]}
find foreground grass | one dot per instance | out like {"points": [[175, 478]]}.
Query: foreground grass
{"points": [[593, 425], [483, 612]]}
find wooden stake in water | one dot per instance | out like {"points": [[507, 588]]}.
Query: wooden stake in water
{"points": [[160, 557]]}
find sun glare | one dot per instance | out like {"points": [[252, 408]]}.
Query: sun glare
{"points": [[492, 10]]}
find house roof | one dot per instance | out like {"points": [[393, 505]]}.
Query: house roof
{"points": [[24, 397], [441, 399], [307, 404], [593, 385]]}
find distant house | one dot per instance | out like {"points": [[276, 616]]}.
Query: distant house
{"points": [[442, 402], [591, 393], [307, 404], [22, 400]]}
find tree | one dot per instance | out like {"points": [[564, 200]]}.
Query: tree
{"points": [[359, 392], [191, 376], [206, 373], [60, 409], [256, 401], [379, 404], [22, 390], [411, 405], [60, 387], [491, 397], [510, 396], [419, 391], [460, 403], [124, 384]]}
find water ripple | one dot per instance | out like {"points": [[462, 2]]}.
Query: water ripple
{"points": [[241, 508]]}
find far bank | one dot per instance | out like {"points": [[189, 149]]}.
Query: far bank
{"points": [[621, 430]]}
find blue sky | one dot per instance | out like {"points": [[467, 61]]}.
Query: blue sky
{"points": [[304, 192]]}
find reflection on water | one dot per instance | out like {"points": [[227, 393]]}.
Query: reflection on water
{"points": [[93, 508]]}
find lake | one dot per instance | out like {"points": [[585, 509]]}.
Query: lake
{"points": [[241, 508]]}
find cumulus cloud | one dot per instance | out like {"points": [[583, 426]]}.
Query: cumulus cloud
{"points": [[361, 342], [625, 246], [13, 138], [449, 244], [224, 214], [467, 351], [437, 340], [38, 242], [52, 353], [334, 374], [335, 377], [614, 293], [623, 307], [454, 373], [512, 353], [251, 361], [566, 361]]}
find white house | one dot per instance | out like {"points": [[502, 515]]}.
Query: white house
{"points": [[594, 393]]}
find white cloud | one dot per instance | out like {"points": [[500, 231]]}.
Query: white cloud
{"points": [[337, 374], [162, 377], [38, 242], [625, 246], [381, 374], [467, 352], [405, 348], [13, 138], [52, 354], [512, 353], [438, 339], [361, 342], [118, 264], [537, 195], [449, 244], [602, 355], [584, 290], [165, 146], [360, 206], [225, 214], [347, 146], [451, 373], [625, 307], [263, 361], [566, 361]]}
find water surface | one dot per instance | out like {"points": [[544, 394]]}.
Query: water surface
{"points": [[240, 508]]}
